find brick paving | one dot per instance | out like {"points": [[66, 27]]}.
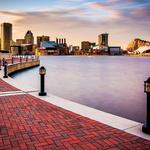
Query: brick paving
{"points": [[5, 87], [28, 123]]}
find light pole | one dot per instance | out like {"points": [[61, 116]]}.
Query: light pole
{"points": [[5, 70], [146, 126], [42, 72]]}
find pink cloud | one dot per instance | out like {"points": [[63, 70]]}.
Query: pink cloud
{"points": [[141, 12]]}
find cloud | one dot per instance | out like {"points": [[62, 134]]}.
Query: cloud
{"points": [[9, 16], [127, 10], [42, 16], [123, 21], [141, 12]]}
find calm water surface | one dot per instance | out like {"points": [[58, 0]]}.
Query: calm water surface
{"points": [[111, 84]]}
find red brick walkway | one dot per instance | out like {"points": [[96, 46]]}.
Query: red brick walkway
{"points": [[27, 122], [5, 87]]}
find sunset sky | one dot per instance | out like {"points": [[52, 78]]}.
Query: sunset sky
{"points": [[79, 20]]}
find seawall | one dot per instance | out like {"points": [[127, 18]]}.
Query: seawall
{"points": [[12, 68]]}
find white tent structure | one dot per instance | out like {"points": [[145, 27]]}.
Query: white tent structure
{"points": [[143, 49]]}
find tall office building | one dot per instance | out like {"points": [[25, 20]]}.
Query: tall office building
{"points": [[41, 39], [6, 36], [29, 38], [103, 40]]}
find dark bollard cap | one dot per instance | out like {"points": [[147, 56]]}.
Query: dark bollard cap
{"points": [[147, 85], [42, 70], [148, 80]]}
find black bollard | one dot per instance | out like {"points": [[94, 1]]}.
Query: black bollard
{"points": [[146, 126], [42, 72], [5, 70]]}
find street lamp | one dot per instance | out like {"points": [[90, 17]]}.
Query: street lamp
{"points": [[146, 126], [42, 72]]}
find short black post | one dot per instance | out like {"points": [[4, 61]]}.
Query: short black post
{"points": [[12, 60], [146, 126], [5, 70], [42, 72]]}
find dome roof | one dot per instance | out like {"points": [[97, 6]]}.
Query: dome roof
{"points": [[29, 32]]}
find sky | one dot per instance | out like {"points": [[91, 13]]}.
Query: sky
{"points": [[79, 20]]}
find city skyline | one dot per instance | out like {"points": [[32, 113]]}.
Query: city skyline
{"points": [[80, 20]]}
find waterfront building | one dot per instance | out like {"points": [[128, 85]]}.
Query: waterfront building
{"points": [[41, 39], [22, 49], [29, 38], [93, 44], [20, 41], [103, 40], [75, 48], [114, 50], [85, 45], [62, 46], [142, 49], [6, 36], [58, 47], [48, 48]]}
